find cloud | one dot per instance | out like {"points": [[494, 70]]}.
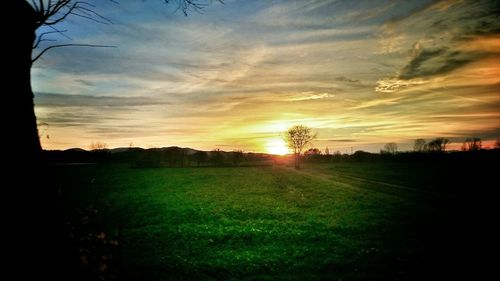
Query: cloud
{"points": [[342, 140], [310, 96], [485, 44], [436, 40], [429, 62], [346, 79], [391, 85], [85, 82], [64, 100]]}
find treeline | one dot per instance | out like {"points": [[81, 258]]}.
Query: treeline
{"points": [[187, 157], [438, 145], [159, 157], [410, 156]]}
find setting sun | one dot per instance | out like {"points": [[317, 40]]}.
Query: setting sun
{"points": [[277, 147]]}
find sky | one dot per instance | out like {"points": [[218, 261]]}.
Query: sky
{"points": [[360, 73]]}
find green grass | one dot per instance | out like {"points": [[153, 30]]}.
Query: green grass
{"points": [[258, 223]]}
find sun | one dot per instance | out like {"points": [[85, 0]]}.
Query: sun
{"points": [[276, 146]]}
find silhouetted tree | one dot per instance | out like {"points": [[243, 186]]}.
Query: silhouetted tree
{"points": [[237, 157], [472, 144], [327, 151], [361, 155], [216, 157], [150, 158], [98, 145], [312, 151], [337, 154], [29, 17], [420, 145], [297, 137], [314, 155], [174, 156], [390, 148], [38, 201], [200, 157], [438, 145]]}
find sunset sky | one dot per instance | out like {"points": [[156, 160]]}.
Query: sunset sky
{"points": [[361, 73]]}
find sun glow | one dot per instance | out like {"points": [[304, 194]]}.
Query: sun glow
{"points": [[277, 147]]}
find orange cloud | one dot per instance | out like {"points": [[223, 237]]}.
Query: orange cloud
{"points": [[490, 44]]}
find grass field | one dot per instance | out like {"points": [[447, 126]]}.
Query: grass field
{"points": [[323, 222]]}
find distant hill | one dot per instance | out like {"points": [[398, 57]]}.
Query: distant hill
{"points": [[75, 149], [172, 156]]}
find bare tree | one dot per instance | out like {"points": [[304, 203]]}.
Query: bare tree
{"points": [[419, 145], [438, 145], [29, 16], [472, 144], [98, 145], [390, 148], [297, 137], [37, 203]]}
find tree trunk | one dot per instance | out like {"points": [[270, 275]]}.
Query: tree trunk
{"points": [[23, 120], [34, 223]]}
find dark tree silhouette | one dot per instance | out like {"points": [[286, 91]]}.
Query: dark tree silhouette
{"points": [[438, 145], [216, 157], [98, 145], [390, 148], [36, 227], [313, 151], [472, 144], [297, 137], [420, 145], [200, 157], [236, 157], [29, 17]]}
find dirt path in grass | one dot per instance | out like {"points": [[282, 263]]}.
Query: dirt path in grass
{"points": [[338, 179]]}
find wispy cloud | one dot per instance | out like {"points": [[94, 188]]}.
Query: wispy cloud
{"points": [[390, 85], [342, 140], [64, 100], [310, 96], [348, 80]]}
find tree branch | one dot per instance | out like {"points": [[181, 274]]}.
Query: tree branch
{"points": [[58, 6], [89, 18], [42, 8], [190, 5], [41, 39], [55, 11], [34, 5], [61, 32], [69, 45], [94, 13]]}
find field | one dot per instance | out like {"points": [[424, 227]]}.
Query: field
{"points": [[323, 222]]}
